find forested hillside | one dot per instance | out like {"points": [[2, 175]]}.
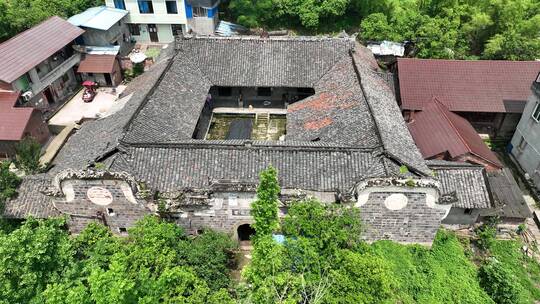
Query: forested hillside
{"points": [[460, 29], [19, 15]]}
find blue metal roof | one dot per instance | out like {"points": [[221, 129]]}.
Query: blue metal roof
{"points": [[101, 17]]}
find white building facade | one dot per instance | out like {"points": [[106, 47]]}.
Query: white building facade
{"points": [[162, 20], [526, 141]]}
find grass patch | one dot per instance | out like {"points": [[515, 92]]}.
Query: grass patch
{"points": [[152, 52], [442, 274]]}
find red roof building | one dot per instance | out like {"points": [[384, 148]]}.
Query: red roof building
{"points": [[17, 123], [441, 134], [39, 62], [489, 94], [102, 69], [31, 47]]}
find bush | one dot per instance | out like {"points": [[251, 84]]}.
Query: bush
{"points": [[499, 283], [487, 233]]}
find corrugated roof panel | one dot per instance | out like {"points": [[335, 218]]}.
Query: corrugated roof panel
{"points": [[465, 85], [101, 17]]}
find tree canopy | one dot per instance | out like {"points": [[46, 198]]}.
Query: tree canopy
{"points": [[157, 263], [460, 29], [19, 15]]}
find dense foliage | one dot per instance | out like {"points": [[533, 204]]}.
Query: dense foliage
{"points": [[461, 29], [19, 15], [524, 271], [323, 260], [157, 263]]}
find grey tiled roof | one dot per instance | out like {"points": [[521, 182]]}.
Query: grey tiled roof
{"points": [[469, 183], [395, 136], [170, 167], [338, 113], [96, 138], [273, 62], [507, 197], [172, 112], [342, 111], [30, 201]]}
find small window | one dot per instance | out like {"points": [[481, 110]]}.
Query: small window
{"points": [[134, 29], [120, 4], [263, 91], [176, 29], [110, 212], [90, 74], [171, 7], [146, 7], [122, 229], [536, 112], [200, 12], [468, 211], [225, 91]]}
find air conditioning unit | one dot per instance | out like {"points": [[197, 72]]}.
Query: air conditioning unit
{"points": [[27, 95]]}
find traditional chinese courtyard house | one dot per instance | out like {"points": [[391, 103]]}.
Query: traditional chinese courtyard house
{"points": [[202, 124]]}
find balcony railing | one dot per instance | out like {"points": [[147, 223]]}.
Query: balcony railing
{"points": [[56, 73]]}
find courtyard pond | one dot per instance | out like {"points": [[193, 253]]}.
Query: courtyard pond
{"points": [[260, 126]]}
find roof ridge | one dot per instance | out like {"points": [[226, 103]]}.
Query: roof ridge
{"points": [[443, 108], [272, 38], [468, 60], [221, 144]]}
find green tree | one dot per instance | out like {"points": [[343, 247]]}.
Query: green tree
{"points": [[31, 257], [265, 208], [8, 183], [27, 154]]}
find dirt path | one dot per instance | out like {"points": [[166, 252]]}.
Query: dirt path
{"points": [[243, 258]]}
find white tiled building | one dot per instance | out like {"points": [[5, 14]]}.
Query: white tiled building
{"points": [[161, 20]]}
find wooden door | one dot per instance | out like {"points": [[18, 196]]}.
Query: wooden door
{"points": [[152, 30]]}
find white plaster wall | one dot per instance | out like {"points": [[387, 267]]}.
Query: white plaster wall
{"points": [[159, 16], [165, 33]]}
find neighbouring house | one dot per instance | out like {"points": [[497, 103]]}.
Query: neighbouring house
{"points": [[101, 66], [491, 95], [40, 63], [162, 20], [525, 145], [206, 118], [467, 190], [441, 134], [17, 123], [476, 194], [104, 27]]}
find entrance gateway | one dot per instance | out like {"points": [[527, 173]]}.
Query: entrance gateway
{"points": [[245, 232]]}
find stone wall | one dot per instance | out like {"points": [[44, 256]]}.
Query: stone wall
{"points": [[414, 223]]}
